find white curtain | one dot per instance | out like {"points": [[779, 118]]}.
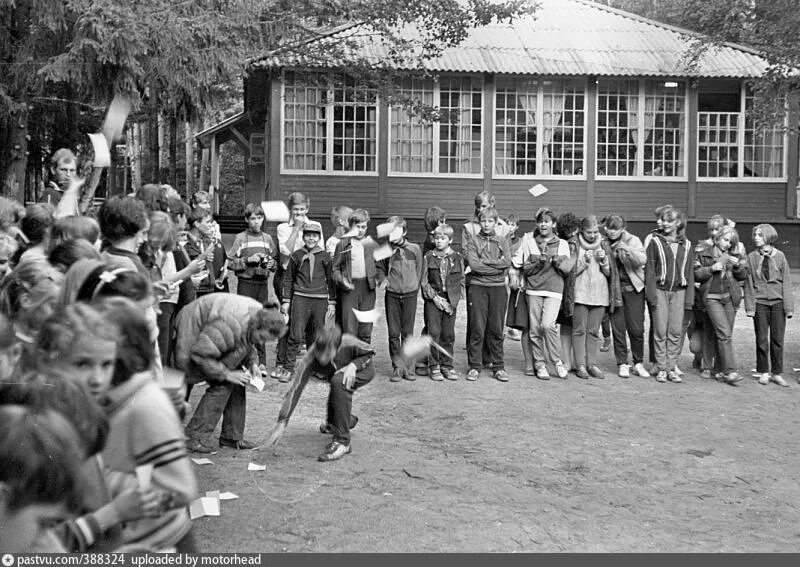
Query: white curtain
{"points": [[651, 104], [632, 108], [553, 109]]}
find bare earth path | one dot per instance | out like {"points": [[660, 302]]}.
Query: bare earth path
{"points": [[608, 465]]}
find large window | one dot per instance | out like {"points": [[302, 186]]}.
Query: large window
{"points": [[329, 124], [454, 144], [729, 143], [640, 128], [539, 127]]}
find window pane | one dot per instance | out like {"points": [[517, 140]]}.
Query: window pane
{"points": [[304, 120], [562, 127], [411, 138], [718, 153], [460, 131], [763, 147], [664, 128], [617, 127], [354, 125], [515, 127]]}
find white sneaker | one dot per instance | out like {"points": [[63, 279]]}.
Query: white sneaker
{"points": [[640, 370], [561, 370], [678, 371], [624, 371], [764, 379]]}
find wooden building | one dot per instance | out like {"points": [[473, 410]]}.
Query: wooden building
{"points": [[597, 104]]}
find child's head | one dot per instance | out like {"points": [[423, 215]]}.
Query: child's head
{"points": [[312, 234], [398, 236], [715, 223], [254, 215], [8, 247], [360, 221], [483, 200], [162, 235], [327, 343], [670, 221], [71, 228], [266, 325], [37, 223], [512, 221], [567, 225], [614, 225], [70, 251], [298, 205], [10, 350], [154, 197], [200, 199], [135, 351], [434, 217], [340, 217], [764, 235], [82, 343], [488, 219], [123, 218], [39, 474], [30, 293], [545, 221], [201, 220], [727, 239], [590, 228], [443, 237], [11, 212]]}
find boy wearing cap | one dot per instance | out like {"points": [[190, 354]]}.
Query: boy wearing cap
{"points": [[308, 292]]}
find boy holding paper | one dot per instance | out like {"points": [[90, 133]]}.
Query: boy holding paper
{"points": [[401, 272]]}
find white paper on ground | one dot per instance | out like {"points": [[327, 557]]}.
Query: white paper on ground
{"points": [[212, 494], [144, 474], [258, 383], [202, 461], [255, 467], [227, 496], [102, 155], [204, 506], [275, 211], [382, 252], [538, 190], [367, 316]]}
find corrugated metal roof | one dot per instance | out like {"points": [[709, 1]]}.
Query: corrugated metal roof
{"points": [[563, 37]]}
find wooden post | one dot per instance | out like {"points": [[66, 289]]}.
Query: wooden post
{"points": [[691, 151], [189, 149], [383, 154], [591, 139], [792, 158], [274, 137]]}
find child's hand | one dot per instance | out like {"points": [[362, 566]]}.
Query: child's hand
{"points": [[239, 378], [588, 255], [717, 267], [330, 313], [285, 308], [348, 285], [196, 265], [600, 254], [136, 503]]}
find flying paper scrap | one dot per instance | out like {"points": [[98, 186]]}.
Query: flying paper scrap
{"points": [[144, 474], [538, 190], [102, 155], [255, 467], [382, 252], [367, 316], [116, 116], [418, 347], [275, 211], [204, 506], [202, 461], [389, 229]]}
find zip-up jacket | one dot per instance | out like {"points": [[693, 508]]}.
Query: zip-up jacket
{"points": [[443, 276], [342, 261], [757, 289], [544, 277], [703, 274], [402, 269], [667, 271], [298, 279], [489, 259]]}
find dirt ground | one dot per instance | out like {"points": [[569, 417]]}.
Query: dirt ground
{"points": [[614, 465]]}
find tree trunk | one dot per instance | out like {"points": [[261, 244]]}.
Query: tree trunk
{"points": [[135, 153], [17, 155], [173, 150], [152, 149], [189, 144]]}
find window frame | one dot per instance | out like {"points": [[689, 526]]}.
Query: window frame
{"points": [[640, 139], [329, 129], [437, 134]]}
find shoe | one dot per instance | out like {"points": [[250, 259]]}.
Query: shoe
{"points": [[276, 373], [396, 375], [561, 370], [624, 371], [436, 375], [606, 346], [582, 373], [285, 376], [661, 376], [706, 374], [195, 446], [764, 379], [239, 444], [473, 374], [719, 376], [732, 378], [672, 376], [778, 379], [596, 372], [529, 371], [541, 373], [678, 371], [327, 429], [334, 451], [406, 375], [421, 370], [450, 374], [640, 370], [501, 375]]}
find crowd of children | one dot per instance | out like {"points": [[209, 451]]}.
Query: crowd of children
{"points": [[97, 312]]}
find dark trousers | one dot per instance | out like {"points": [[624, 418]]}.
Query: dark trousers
{"points": [[606, 325], [770, 326], [305, 312], [651, 340], [340, 402], [258, 290], [721, 313], [488, 306], [401, 310], [220, 399], [165, 321], [629, 320], [361, 298], [442, 329]]}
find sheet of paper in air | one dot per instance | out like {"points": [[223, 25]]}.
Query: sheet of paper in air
{"points": [[415, 347], [385, 229], [144, 474], [382, 252], [102, 155], [204, 506], [258, 383], [202, 461], [367, 316], [116, 116], [538, 190], [275, 211], [255, 467]]}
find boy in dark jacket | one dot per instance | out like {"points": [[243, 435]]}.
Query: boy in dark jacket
{"points": [[401, 273], [308, 292], [442, 288], [203, 243], [489, 258]]}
